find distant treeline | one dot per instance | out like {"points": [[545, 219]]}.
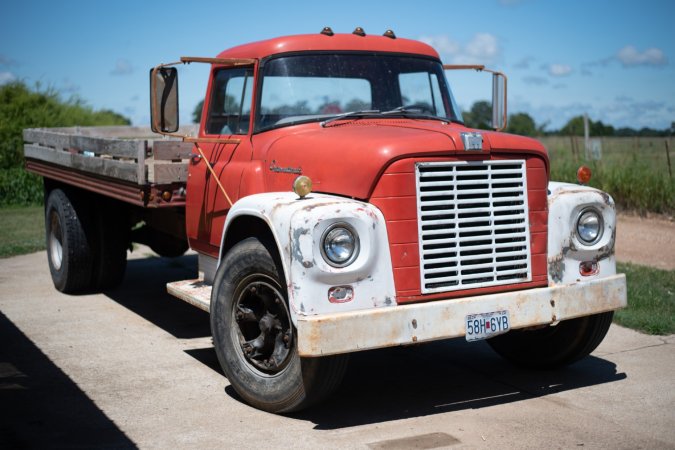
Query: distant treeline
{"points": [[480, 116]]}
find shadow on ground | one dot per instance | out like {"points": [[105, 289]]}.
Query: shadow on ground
{"points": [[41, 407], [445, 376], [144, 292], [380, 385]]}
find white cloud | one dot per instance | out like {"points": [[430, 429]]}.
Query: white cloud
{"points": [[524, 63], [6, 77], [535, 80], [621, 112], [630, 56], [559, 70], [442, 44], [122, 67], [483, 48]]}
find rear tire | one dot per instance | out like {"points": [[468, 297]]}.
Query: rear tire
{"points": [[255, 339], [554, 346], [69, 252], [111, 242]]}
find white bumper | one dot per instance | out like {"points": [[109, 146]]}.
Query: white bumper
{"points": [[329, 334]]}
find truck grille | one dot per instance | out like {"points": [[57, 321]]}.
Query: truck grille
{"points": [[472, 224]]}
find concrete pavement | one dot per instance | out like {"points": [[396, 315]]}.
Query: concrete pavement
{"points": [[135, 367]]}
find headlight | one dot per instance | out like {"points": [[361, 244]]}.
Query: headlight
{"points": [[340, 245], [589, 226]]}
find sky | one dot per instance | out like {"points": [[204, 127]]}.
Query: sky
{"points": [[613, 60]]}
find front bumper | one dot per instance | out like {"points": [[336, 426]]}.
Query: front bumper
{"points": [[330, 334]]}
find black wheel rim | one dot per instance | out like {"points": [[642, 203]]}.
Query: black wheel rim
{"points": [[263, 327]]}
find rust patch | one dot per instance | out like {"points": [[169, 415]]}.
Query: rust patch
{"points": [[607, 250], [556, 267]]}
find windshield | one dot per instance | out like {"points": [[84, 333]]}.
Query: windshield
{"points": [[314, 87]]}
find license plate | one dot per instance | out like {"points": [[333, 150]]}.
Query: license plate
{"points": [[486, 325]]}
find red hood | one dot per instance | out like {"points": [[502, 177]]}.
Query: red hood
{"points": [[348, 158]]}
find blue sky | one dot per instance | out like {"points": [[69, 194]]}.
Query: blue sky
{"points": [[614, 60]]}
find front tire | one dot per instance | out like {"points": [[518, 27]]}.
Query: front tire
{"points": [[553, 346], [255, 339]]}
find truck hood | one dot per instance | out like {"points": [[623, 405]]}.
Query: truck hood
{"points": [[348, 158]]}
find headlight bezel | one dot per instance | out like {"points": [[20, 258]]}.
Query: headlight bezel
{"points": [[356, 244], [601, 226]]}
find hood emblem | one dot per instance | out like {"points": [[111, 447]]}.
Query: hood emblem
{"points": [[277, 169], [472, 141]]}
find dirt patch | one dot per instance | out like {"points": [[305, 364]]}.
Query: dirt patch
{"points": [[646, 241]]}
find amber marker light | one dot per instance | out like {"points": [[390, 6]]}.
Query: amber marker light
{"points": [[302, 186], [584, 175]]}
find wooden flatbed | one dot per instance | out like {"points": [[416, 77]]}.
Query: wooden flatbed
{"points": [[131, 164]]}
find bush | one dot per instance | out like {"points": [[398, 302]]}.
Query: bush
{"points": [[18, 187], [22, 107]]}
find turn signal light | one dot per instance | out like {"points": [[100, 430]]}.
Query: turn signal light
{"points": [[588, 268], [340, 294], [584, 175]]}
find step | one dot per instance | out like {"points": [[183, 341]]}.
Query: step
{"points": [[196, 292]]}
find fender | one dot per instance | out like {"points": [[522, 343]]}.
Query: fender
{"points": [[298, 225], [565, 250]]}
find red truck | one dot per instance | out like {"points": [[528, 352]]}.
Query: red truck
{"points": [[337, 203]]}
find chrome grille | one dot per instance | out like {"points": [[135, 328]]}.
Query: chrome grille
{"points": [[472, 224]]}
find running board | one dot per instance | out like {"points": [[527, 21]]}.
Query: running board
{"points": [[195, 292]]}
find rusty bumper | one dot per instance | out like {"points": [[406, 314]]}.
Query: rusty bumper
{"points": [[408, 324]]}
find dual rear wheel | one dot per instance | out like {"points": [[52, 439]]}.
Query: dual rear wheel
{"points": [[86, 242]]}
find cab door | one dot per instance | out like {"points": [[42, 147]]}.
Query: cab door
{"points": [[226, 116]]}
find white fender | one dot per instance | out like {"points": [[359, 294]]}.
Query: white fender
{"points": [[565, 250], [298, 225]]}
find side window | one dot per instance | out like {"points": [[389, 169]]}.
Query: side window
{"points": [[422, 90], [230, 106]]}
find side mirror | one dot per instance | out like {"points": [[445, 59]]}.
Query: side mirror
{"points": [[499, 117], [164, 99]]}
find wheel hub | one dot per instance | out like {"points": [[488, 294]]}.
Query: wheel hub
{"points": [[55, 245], [263, 326]]}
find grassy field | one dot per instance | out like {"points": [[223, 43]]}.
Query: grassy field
{"points": [[23, 230], [651, 300], [634, 171]]}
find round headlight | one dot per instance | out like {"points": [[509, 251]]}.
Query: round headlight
{"points": [[589, 226], [340, 245]]}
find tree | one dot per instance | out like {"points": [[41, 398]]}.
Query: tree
{"points": [[197, 112], [523, 124], [575, 127], [22, 107], [480, 115]]}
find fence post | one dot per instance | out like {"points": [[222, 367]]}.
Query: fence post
{"points": [[670, 169]]}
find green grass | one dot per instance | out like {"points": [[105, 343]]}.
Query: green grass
{"points": [[633, 171], [23, 230], [651, 299]]}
